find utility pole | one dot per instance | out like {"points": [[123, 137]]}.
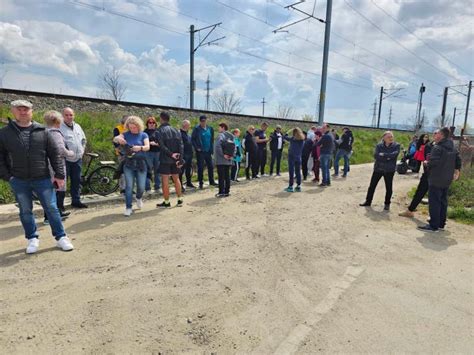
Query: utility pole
{"points": [[374, 115], [443, 109], [263, 107], [390, 118], [420, 104], [454, 117], [380, 106], [324, 74], [467, 106], [208, 88], [192, 50]]}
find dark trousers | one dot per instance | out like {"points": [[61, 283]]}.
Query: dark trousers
{"points": [[276, 157], [251, 164], [223, 174], [421, 191], [73, 170], [187, 169], [262, 160], [316, 165], [205, 157], [234, 173], [388, 179], [438, 205], [304, 165], [294, 168], [60, 195]]}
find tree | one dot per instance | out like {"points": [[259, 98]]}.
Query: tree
{"points": [[308, 118], [227, 102], [112, 85], [284, 111]]}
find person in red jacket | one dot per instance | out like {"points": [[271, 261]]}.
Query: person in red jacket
{"points": [[420, 151]]}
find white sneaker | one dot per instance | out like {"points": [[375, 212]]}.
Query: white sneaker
{"points": [[33, 245], [139, 203], [128, 212], [65, 244]]}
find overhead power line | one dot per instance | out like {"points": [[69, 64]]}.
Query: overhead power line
{"points": [[421, 40], [396, 41]]}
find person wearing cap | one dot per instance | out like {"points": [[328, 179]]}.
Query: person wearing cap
{"points": [[276, 148], [76, 141], [26, 150], [203, 143], [262, 140]]}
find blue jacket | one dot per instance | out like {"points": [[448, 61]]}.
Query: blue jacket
{"points": [[196, 138], [296, 148], [327, 143], [387, 162], [239, 151]]}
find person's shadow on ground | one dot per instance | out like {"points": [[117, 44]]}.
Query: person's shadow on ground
{"points": [[437, 241], [376, 216], [12, 257]]}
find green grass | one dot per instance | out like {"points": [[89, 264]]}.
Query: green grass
{"points": [[98, 127]]}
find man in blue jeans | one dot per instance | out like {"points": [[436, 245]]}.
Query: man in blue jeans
{"points": [[326, 142], [203, 143], [345, 148], [75, 140], [25, 149]]}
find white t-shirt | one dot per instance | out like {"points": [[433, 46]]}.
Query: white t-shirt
{"points": [[280, 141]]}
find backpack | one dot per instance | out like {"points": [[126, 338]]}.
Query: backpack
{"points": [[228, 145]]}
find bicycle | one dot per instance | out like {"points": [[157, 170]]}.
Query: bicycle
{"points": [[101, 180]]}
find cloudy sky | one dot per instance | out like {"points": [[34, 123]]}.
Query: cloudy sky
{"points": [[63, 46]]}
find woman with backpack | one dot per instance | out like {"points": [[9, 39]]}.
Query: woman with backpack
{"points": [[419, 155], [234, 173], [224, 152], [295, 152]]}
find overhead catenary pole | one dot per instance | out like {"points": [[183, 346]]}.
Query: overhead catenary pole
{"points": [[467, 106], [324, 73], [208, 88], [380, 106], [390, 118], [191, 67], [420, 105], [374, 113], [443, 108], [454, 117]]}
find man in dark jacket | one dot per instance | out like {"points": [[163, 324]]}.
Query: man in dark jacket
{"points": [[250, 146], [327, 148], [261, 140], [188, 155], [25, 149], [171, 159], [276, 148], [444, 166], [345, 148], [203, 143], [307, 148]]}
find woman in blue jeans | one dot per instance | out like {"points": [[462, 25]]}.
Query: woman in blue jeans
{"points": [[136, 143], [294, 158]]}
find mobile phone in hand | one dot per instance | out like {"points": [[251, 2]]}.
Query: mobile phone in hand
{"points": [[55, 184]]}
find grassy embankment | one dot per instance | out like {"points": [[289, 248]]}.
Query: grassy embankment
{"points": [[98, 127]]}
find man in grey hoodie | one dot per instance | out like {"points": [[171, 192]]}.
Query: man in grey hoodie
{"points": [[224, 151]]}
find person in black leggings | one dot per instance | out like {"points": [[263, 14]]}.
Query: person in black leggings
{"points": [[386, 153]]}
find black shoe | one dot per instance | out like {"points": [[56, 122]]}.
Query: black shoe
{"points": [[79, 205], [227, 194], [386, 207], [180, 203], [365, 204], [64, 214], [344, 176], [219, 195], [190, 185], [427, 228], [163, 205], [323, 184]]}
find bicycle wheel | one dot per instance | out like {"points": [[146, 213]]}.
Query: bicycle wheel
{"points": [[101, 181]]}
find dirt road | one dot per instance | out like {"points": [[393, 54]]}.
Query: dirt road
{"points": [[261, 272]]}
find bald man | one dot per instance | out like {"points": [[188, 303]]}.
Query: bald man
{"points": [[188, 155], [75, 140]]}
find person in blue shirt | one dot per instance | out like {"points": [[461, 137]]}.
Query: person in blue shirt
{"points": [[136, 143], [234, 174], [295, 152], [202, 139]]}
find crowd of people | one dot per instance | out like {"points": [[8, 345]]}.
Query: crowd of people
{"points": [[36, 160]]}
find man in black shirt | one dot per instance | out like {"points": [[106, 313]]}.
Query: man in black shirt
{"points": [[261, 140]]}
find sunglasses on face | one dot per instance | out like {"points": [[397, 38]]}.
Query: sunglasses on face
{"points": [[151, 122]]}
